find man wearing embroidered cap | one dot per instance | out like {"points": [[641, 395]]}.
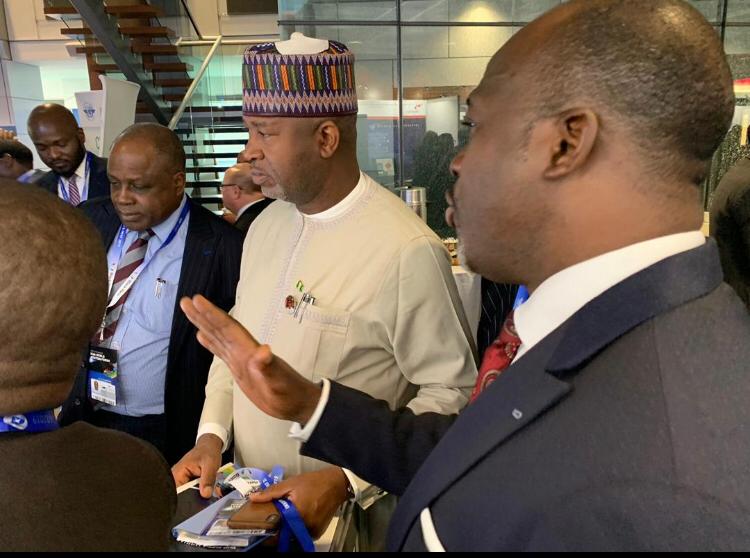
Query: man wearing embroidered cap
{"points": [[340, 277]]}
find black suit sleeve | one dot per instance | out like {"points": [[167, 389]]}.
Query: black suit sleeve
{"points": [[364, 435]]}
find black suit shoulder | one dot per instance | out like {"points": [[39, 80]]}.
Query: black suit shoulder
{"points": [[228, 234]]}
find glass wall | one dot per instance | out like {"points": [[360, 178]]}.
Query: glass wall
{"points": [[418, 60]]}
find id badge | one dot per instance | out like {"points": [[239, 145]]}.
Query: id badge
{"points": [[103, 375]]}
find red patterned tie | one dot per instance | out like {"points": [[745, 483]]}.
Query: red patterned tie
{"points": [[130, 262], [497, 357], [75, 195]]}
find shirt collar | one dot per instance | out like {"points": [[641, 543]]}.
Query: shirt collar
{"points": [[345, 205], [566, 292], [162, 230], [81, 171]]}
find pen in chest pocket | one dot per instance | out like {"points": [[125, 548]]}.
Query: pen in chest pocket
{"points": [[157, 288], [307, 300]]}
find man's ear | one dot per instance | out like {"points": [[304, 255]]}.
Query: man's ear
{"points": [[574, 136], [329, 137], [82, 137], [6, 160], [179, 183]]}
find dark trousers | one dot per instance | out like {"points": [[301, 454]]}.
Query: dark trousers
{"points": [[151, 428]]}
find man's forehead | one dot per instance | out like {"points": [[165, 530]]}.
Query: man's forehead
{"points": [[260, 121]]}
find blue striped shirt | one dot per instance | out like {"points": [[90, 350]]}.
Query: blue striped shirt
{"points": [[145, 324]]}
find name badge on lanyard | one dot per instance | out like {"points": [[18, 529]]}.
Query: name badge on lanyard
{"points": [[64, 189], [102, 365], [103, 375]]}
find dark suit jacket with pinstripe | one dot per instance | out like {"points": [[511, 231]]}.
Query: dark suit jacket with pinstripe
{"points": [[211, 267], [627, 428], [98, 179]]}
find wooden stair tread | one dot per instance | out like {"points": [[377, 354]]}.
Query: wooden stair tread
{"points": [[91, 49], [105, 68], [178, 97], [145, 31], [75, 31], [141, 10], [175, 82], [154, 49], [59, 10], [167, 66]]}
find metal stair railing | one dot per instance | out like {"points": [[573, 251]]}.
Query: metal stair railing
{"points": [[196, 82]]}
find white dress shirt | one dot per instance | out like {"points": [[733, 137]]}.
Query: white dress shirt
{"points": [[550, 305]]}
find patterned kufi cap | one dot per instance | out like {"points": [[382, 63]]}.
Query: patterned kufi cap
{"points": [[298, 85]]}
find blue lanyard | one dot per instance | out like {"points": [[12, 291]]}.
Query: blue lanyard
{"points": [[64, 190], [293, 526], [521, 296], [34, 422], [121, 235]]}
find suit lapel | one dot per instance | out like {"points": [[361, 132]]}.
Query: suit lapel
{"points": [[534, 384], [108, 224], [200, 245], [515, 399], [98, 179]]}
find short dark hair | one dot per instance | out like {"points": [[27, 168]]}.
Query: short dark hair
{"points": [[656, 66], [17, 150], [164, 140], [54, 292]]}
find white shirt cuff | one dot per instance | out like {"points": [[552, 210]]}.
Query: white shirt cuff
{"points": [[357, 484], [217, 430], [296, 432]]}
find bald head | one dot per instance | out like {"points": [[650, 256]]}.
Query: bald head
{"points": [[51, 113], [654, 70], [52, 300], [163, 140], [597, 120], [57, 137], [240, 175], [238, 189]]}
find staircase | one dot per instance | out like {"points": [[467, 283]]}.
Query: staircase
{"points": [[210, 128], [213, 136], [106, 29]]}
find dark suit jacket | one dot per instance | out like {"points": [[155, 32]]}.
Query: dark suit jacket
{"points": [[497, 303], [211, 267], [98, 179], [250, 214], [730, 226], [624, 429], [84, 489]]}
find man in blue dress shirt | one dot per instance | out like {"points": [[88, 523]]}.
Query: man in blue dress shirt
{"points": [[146, 372]]}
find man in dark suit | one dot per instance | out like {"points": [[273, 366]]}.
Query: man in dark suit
{"points": [[161, 246], [242, 197], [609, 413], [730, 226], [17, 162], [78, 488], [76, 175]]}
